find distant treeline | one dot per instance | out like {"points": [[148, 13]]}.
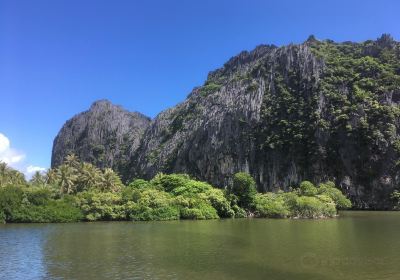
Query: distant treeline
{"points": [[78, 191]]}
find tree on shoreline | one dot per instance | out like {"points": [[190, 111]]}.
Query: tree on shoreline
{"points": [[77, 191]]}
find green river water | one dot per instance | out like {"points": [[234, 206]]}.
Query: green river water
{"points": [[357, 245]]}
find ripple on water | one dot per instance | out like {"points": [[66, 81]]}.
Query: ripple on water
{"points": [[358, 245]]}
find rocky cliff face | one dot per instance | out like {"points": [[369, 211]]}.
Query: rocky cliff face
{"points": [[315, 111], [105, 135], [223, 126]]}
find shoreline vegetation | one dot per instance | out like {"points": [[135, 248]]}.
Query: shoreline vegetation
{"points": [[78, 191]]}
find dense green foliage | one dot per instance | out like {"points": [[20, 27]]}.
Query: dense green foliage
{"points": [[329, 189], [10, 177], [36, 205], [194, 199], [357, 85], [307, 201], [335, 114], [353, 85], [244, 187], [78, 191]]}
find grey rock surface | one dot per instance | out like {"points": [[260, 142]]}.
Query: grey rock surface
{"points": [[233, 123], [105, 135]]}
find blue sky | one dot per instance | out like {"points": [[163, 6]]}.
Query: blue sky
{"points": [[57, 57]]}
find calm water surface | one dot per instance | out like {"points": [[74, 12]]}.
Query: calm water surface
{"points": [[358, 245]]}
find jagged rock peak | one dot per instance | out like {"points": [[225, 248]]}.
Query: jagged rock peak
{"points": [[107, 105], [105, 135], [102, 103], [311, 40], [241, 61]]}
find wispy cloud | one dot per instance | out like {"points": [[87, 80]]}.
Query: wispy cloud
{"points": [[16, 158], [8, 155], [31, 169]]}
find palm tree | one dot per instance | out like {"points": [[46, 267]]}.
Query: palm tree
{"points": [[51, 176], [3, 167], [38, 179], [16, 178], [9, 176], [66, 179], [89, 176], [111, 181], [3, 173], [72, 160]]}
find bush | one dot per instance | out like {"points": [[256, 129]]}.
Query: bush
{"points": [[141, 212], [140, 184], [54, 211], [194, 199], [335, 194], [101, 206], [314, 207], [151, 204], [270, 205], [244, 187], [218, 200], [169, 182], [38, 195], [202, 211], [191, 188], [35, 205], [11, 199], [329, 206], [239, 212], [308, 207], [290, 199], [308, 189], [195, 208]]}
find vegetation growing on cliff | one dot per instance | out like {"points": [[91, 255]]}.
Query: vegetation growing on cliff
{"points": [[396, 198], [78, 191], [315, 110], [361, 87], [333, 109]]}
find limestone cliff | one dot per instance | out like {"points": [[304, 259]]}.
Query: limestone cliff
{"points": [[105, 135], [315, 111]]}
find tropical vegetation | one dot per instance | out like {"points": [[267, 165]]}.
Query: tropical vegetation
{"points": [[79, 191]]}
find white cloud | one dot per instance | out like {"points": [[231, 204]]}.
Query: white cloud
{"points": [[7, 154], [4, 143], [32, 169], [16, 158]]}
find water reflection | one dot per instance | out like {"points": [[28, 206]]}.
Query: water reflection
{"points": [[360, 245], [21, 251]]}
